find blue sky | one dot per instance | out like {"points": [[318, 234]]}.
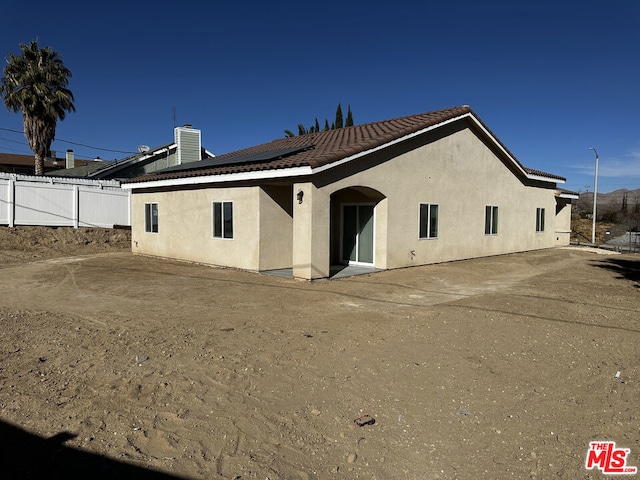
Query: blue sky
{"points": [[549, 78]]}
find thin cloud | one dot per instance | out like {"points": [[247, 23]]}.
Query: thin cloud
{"points": [[627, 166]]}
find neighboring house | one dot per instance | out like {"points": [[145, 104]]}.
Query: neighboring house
{"points": [[186, 148], [415, 190], [25, 164]]}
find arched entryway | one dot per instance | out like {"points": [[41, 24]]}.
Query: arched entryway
{"points": [[354, 223]]}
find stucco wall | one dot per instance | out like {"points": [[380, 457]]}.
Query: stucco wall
{"points": [[311, 227], [462, 175], [276, 227], [185, 226], [563, 222]]}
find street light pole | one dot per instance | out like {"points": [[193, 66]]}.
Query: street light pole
{"points": [[595, 195]]}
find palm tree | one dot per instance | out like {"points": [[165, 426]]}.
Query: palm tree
{"points": [[36, 84]]}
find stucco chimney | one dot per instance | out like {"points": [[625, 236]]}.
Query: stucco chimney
{"points": [[70, 160]]}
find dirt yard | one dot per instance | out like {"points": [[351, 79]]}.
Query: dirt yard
{"points": [[121, 366]]}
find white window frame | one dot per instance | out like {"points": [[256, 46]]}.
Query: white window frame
{"points": [[491, 220], [149, 226], [540, 214], [221, 225], [427, 222]]}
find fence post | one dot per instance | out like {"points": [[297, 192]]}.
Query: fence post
{"points": [[11, 192]]}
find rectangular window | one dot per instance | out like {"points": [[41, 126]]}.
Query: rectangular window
{"points": [[223, 219], [491, 220], [151, 217], [428, 220], [539, 219]]}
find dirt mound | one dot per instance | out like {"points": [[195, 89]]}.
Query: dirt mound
{"points": [[26, 243]]}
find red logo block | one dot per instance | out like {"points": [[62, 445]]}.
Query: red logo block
{"points": [[609, 459]]}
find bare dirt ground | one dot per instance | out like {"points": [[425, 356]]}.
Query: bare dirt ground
{"points": [[121, 366]]}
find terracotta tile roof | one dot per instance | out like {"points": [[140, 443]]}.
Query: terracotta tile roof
{"points": [[568, 192], [328, 147], [540, 173], [15, 161]]}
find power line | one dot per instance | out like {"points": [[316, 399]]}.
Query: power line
{"points": [[12, 141], [95, 148], [76, 143], [7, 140]]}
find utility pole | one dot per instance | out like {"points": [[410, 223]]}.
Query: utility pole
{"points": [[595, 195]]}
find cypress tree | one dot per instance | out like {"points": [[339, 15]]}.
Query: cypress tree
{"points": [[339, 123], [349, 122]]}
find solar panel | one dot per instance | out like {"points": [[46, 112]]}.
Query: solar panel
{"points": [[254, 157]]}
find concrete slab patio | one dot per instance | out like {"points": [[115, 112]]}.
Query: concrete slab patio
{"points": [[336, 271]]}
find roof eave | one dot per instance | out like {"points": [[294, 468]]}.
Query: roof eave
{"points": [[573, 196], [542, 178], [230, 177], [512, 159]]}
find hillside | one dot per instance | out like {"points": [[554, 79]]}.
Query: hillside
{"points": [[612, 198]]}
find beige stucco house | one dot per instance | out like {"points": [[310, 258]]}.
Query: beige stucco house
{"points": [[415, 190]]}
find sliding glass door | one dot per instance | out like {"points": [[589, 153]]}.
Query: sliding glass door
{"points": [[357, 234]]}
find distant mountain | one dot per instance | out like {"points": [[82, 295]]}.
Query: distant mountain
{"points": [[613, 198]]}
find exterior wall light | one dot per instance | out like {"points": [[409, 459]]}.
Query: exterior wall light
{"points": [[299, 196]]}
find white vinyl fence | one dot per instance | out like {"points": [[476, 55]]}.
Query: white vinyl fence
{"points": [[63, 202]]}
